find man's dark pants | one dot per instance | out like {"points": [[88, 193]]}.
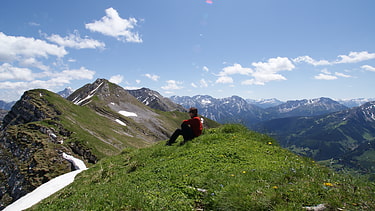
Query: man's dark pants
{"points": [[185, 131]]}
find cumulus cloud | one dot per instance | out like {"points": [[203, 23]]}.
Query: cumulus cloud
{"points": [[8, 72], [268, 71], [323, 76], [327, 75], [22, 79], [224, 80], [355, 57], [235, 69], [262, 72], [205, 68], [342, 75], [115, 26], [311, 61], [368, 68], [172, 85], [152, 77], [352, 57], [116, 79], [14, 48], [75, 41]]}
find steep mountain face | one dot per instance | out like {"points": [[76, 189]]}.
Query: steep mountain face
{"points": [[28, 148], [347, 136], [226, 110], [305, 107], [100, 120], [154, 100]]}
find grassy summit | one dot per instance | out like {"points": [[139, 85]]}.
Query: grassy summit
{"points": [[228, 168]]}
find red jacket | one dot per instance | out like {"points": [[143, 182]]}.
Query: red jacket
{"points": [[195, 124]]}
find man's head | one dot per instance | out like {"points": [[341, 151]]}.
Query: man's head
{"points": [[193, 111]]}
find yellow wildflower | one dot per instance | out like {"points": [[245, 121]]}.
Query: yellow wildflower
{"points": [[275, 187], [328, 184], [269, 143]]}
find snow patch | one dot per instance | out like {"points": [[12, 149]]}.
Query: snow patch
{"points": [[127, 113], [48, 188], [120, 122], [205, 102], [92, 93], [77, 163]]}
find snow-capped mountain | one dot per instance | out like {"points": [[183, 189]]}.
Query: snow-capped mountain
{"points": [[231, 109], [237, 110], [310, 107], [66, 92], [265, 103], [354, 102]]}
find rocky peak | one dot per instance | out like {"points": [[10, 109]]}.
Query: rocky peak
{"points": [[154, 100], [66, 92], [31, 107]]}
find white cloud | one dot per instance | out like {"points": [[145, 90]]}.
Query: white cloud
{"points": [[138, 81], [323, 76], [355, 57], [116, 79], [24, 79], [368, 68], [268, 71], [203, 83], [12, 48], [172, 85], [235, 69], [342, 75], [113, 25], [224, 80], [205, 68], [8, 72], [76, 74], [152, 77], [262, 73], [194, 85], [32, 62], [75, 41], [311, 61]]}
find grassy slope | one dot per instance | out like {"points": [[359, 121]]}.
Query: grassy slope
{"points": [[229, 168]]}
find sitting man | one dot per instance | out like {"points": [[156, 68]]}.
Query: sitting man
{"points": [[190, 128]]}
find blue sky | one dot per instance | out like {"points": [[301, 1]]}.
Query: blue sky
{"points": [[251, 48]]}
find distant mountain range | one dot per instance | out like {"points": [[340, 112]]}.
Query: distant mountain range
{"points": [[345, 137], [238, 110]]}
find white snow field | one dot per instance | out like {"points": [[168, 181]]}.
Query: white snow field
{"points": [[127, 113], [49, 187]]}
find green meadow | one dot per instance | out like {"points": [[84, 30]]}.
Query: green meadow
{"points": [[227, 168]]}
